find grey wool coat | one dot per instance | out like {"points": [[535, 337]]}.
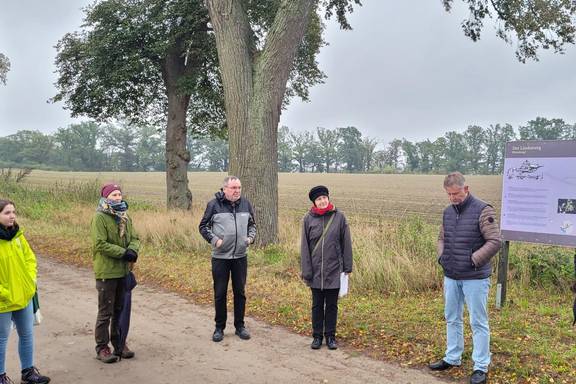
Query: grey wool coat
{"points": [[321, 269]]}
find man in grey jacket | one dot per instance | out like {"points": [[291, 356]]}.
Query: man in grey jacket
{"points": [[228, 225], [469, 238]]}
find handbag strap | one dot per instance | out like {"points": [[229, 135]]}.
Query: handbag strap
{"points": [[323, 233]]}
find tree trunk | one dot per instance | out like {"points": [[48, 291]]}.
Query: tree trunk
{"points": [[254, 87], [178, 194]]}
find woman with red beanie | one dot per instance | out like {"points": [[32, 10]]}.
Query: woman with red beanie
{"points": [[326, 251], [115, 246]]}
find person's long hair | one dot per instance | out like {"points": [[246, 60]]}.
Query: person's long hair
{"points": [[4, 203]]}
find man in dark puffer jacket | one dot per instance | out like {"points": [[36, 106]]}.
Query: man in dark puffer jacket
{"points": [[469, 238]]}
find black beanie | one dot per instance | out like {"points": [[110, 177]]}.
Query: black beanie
{"points": [[318, 191]]}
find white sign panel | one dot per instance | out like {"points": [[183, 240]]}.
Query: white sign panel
{"points": [[539, 192]]}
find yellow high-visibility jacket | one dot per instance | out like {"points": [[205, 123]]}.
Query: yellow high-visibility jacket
{"points": [[17, 273]]}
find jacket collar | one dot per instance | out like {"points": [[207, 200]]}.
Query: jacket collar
{"points": [[9, 233], [463, 205]]}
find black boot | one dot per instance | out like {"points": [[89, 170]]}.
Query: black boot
{"points": [[478, 377], [316, 343], [331, 342], [32, 376]]}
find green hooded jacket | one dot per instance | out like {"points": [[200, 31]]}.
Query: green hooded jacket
{"points": [[108, 247], [17, 273]]}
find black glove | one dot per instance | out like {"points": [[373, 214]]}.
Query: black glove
{"points": [[130, 255]]}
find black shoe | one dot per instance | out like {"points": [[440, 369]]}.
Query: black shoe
{"points": [[242, 333], [478, 377], [316, 343], [218, 335], [32, 376], [5, 379], [440, 365], [331, 342]]}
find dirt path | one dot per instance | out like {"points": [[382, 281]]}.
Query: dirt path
{"points": [[172, 340]]}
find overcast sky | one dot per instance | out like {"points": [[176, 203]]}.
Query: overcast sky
{"points": [[406, 70]]}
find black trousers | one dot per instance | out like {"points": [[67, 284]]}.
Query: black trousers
{"points": [[110, 303], [324, 312], [222, 269]]}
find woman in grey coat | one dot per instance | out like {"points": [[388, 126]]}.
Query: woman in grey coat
{"points": [[326, 251]]}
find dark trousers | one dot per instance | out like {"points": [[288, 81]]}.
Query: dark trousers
{"points": [[221, 271], [110, 302], [324, 312]]}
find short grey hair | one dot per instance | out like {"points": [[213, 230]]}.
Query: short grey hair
{"points": [[454, 179], [228, 179]]}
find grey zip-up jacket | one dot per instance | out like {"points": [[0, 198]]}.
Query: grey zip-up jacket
{"points": [[322, 268], [232, 222]]}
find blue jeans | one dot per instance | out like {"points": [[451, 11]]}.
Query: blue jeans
{"points": [[475, 294], [24, 320]]}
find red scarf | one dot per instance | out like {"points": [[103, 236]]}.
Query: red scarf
{"points": [[322, 211]]}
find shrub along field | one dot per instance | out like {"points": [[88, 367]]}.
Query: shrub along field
{"points": [[395, 308]]}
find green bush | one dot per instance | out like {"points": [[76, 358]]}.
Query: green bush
{"points": [[540, 265]]}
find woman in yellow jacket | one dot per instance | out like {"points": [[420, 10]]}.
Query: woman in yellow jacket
{"points": [[17, 287]]}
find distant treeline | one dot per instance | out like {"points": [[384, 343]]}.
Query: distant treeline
{"points": [[89, 146]]}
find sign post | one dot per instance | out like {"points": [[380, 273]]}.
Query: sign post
{"points": [[538, 198], [502, 275]]}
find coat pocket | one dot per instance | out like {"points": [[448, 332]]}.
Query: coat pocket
{"points": [[227, 244]]}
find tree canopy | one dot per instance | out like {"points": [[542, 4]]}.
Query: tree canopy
{"points": [[532, 25], [116, 66]]}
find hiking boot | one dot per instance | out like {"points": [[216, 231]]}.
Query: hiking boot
{"points": [[105, 356], [242, 333], [316, 343], [218, 335], [4, 379], [32, 376], [127, 353], [331, 342]]}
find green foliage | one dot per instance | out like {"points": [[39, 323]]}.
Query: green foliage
{"points": [[121, 146], [26, 147], [131, 53], [284, 150], [350, 148], [4, 68], [546, 129], [78, 144], [533, 25], [542, 266]]}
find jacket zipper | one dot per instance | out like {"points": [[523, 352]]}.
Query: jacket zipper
{"points": [[235, 230], [322, 259]]}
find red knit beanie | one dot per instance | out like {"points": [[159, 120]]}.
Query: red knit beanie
{"points": [[108, 189]]}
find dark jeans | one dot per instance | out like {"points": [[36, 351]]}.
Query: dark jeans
{"points": [[324, 312], [110, 302], [221, 271]]}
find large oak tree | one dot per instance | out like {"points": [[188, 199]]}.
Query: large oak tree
{"points": [[146, 61]]}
